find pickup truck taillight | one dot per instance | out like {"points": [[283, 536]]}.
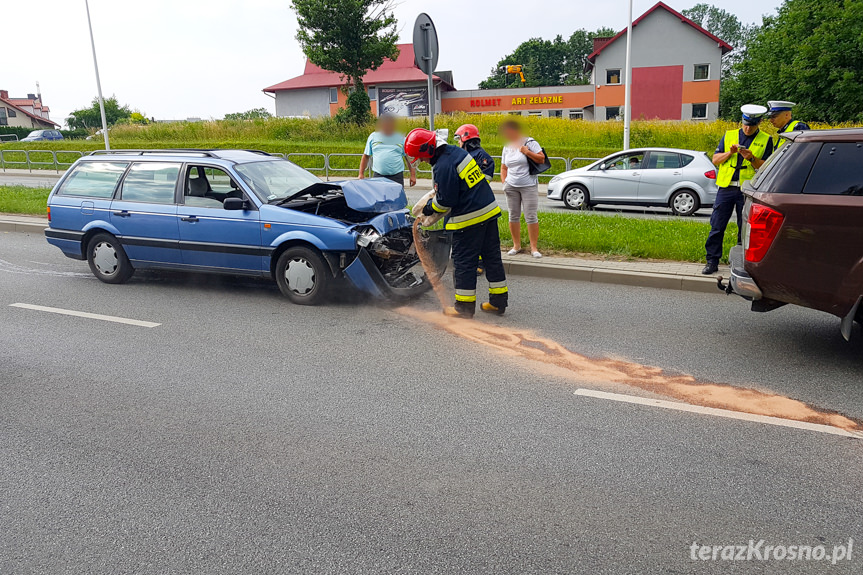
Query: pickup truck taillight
{"points": [[762, 226], [711, 175]]}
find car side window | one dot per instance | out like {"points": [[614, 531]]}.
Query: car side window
{"points": [[837, 170], [151, 182], [93, 179], [634, 161], [663, 161], [209, 187], [685, 160]]}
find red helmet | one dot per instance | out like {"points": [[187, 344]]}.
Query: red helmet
{"points": [[466, 132], [420, 143]]}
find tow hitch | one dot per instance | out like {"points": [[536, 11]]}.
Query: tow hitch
{"points": [[724, 287]]}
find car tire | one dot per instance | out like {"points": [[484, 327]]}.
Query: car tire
{"points": [[108, 260], [303, 275], [576, 197], [684, 203]]}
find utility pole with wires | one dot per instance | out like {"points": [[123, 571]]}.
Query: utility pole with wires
{"points": [[627, 104], [98, 81]]}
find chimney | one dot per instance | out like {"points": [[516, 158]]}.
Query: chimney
{"points": [[31, 96], [599, 43], [4, 94]]}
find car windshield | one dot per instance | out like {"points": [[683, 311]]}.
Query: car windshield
{"points": [[275, 180]]}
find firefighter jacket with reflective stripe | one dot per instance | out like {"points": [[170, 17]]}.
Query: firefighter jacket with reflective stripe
{"points": [[461, 187], [483, 159], [727, 169]]}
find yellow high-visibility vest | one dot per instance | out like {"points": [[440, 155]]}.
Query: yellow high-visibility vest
{"points": [[747, 172], [790, 128]]}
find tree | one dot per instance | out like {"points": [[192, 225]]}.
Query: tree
{"points": [[92, 118], [254, 114], [349, 37], [547, 62], [726, 26], [810, 52]]}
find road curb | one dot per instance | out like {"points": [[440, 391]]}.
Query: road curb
{"points": [[584, 273], [22, 227], [612, 276]]}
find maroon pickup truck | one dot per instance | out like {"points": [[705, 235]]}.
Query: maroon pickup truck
{"points": [[803, 228]]}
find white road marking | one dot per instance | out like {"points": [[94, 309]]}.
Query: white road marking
{"points": [[85, 314], [719, 412]]}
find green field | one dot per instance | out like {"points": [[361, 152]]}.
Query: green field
{"points": [[560, 233]]}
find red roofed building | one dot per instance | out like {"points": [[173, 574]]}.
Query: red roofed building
{"points": [[26, 112], [676, 67], [399, 87]]}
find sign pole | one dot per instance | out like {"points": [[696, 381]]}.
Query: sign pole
{"points": [[98, 82], [430, 58], [627, 106]]}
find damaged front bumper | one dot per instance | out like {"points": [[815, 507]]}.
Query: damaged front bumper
{"points": [[388, 266]]}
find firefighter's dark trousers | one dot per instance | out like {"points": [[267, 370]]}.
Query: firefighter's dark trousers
{"points": [[468, 245]]}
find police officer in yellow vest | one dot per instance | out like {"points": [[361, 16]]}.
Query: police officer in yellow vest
{"points": [[780, 116], [739, 154]]}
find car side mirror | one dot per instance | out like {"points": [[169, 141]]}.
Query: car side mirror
{"points": [[235, 204], [603, 167]]}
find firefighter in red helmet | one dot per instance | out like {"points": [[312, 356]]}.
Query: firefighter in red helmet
{"points": [[462, 190]]}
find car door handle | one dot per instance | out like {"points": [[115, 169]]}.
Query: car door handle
{"points": [[190, 219], [122, 214], [636, 173], [677, 174]]}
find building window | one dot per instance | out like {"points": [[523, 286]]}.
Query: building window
{"points": [[373, 93], [535, 113], [702, 72], [612, 113], [12, 113], [612, 76], [3, 120], [699, 111], [334, 95], [576, 114], [555, 113], [515, 113]]}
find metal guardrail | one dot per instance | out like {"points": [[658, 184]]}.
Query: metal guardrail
{"points": [[8, 137], [325, 164]]}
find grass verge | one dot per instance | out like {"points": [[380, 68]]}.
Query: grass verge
{"points": [[23, 200], [559, 233]]}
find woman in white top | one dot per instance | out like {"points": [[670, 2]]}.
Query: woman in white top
{"points": [[520, 186]]}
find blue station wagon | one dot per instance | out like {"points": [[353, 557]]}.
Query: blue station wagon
{"points": [[239, 212]]}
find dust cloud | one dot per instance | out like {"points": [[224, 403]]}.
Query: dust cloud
{"points": [[433, 275], [551, 358]]}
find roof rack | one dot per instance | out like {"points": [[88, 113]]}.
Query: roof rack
{"points": [[204, 152], [192, 151]]}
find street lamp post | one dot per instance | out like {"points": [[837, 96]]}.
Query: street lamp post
{"points": [[98, 81], [627, 105]]}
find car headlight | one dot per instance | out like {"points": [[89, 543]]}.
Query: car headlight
{"points": [[367, 236], [554, 180]]}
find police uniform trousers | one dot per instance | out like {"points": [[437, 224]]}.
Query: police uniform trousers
{"points": [[728, 200], [468, 245]]}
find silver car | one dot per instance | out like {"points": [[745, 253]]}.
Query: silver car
{"points": [[683, 180]]}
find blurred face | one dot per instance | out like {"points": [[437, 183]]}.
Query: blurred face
{"points": [[780, 119], [511, 133], [387, 126]]}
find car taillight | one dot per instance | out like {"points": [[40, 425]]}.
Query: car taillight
{"points": [[762, 226], [711, 175], [49, 213]]}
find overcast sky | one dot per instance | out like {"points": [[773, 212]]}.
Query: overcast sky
{"points": [[174, 59]]}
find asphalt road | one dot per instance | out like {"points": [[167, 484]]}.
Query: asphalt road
{"points": [[247, 435]]}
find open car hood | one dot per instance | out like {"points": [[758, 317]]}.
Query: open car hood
{"points": [[376, 195]]}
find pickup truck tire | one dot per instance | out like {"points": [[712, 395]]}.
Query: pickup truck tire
{"points": [[576, 197], [303, 276], [684, 203], [108, 260]]}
